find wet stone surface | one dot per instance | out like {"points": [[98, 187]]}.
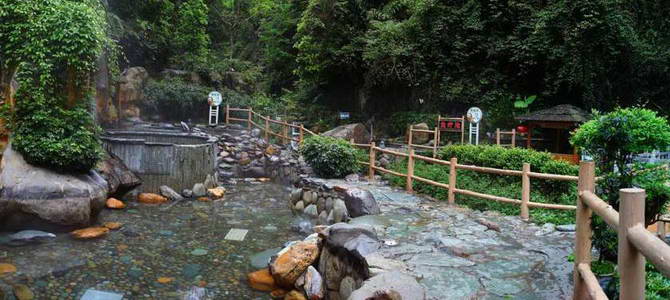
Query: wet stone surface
{"points": [[183, 245], [456, 257]]}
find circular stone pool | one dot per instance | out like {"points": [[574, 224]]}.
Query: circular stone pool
{"points": [[163, 157]]}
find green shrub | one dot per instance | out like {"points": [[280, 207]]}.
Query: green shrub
{"points": [[175, 99], [330, 157], [400, 121], [52, 137]]}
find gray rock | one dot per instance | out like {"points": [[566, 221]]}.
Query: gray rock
{"points": [[120, 179], [209, 183], [262, 259], [312, 283], [31, 195], [187, 193], [379, 264], [169, 193], [360, 202], [566, 228], [329, 204], [311, 211], [323, 218], [347, 286], [339, 211], [29, 236], [255, 132], [296, 195], [300, 206], [92, 294], [359, 240], [321, 204], [356, 131], [331, 218], [394, 285], [199, 190]]}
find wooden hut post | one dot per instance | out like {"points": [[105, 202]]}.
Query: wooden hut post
{"points": [[525, 191], [410, 171], [436, 142], [583, 228], [452, 180], [371, 169], [630, 261]]}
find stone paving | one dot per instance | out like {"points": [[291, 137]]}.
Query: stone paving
{"points": [[458, 253]]}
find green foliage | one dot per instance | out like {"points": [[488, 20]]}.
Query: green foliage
{"points": [[614, 137], [52, 137], [191, 41], [174, 99], [399, 122], [330, 157]]}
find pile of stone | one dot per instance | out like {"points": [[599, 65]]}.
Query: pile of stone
{"points": [[336, 262], [245, 154], [331, 204]]}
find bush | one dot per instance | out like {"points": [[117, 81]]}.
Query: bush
{"points": [[52, 137], [400, 121], [513, 159], [175, 99], [330, 157]]}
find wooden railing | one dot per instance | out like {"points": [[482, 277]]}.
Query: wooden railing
{"points": [[436, 139], [266, 125], [500, 134], [635, 243], [526, 174]]}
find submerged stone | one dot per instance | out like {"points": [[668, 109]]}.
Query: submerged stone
{"points": [[262, 259]]}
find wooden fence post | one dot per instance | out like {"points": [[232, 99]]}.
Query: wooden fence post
{"points": [[436, 141], [371, 170], [284, 130], [249, 118], [513, 137], [227, 113], [302, 133], [409, 141], [462, 130], [267, 129], [583, 228], [410, 171], [498, 136], [452, 179], [630, 261], [525, 191]]}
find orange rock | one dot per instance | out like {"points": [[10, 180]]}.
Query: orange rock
{"points": [[89, 233], [165, 280], [122, 247], [112, 225], [263, 179], [151, 198], [295, 295], [292, 262], [204, 199], [270, 150], [216, 193], [278, 293], [115, 203], [262, 280], [202, 283], [7, 268]]}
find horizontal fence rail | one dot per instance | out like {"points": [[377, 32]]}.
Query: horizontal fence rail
{"points": [[635, 243], [265, 126]]}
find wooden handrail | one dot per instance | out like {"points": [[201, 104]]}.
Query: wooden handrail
{"points": [[553, 176], [432, 160], [422, 130], [389, 171], [391, 152], [490, 170], [487, 196], [431, 182], [653, 248], [601, 208], [592, 285]]}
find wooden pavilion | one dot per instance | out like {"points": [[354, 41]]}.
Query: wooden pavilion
{"points": [[555, 125]]}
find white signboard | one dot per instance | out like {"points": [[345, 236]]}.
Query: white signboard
{"points": [[344, 115], [214, 100], [474, 116]]}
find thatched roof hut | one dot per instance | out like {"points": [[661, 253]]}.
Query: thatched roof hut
{"points": [[560, 113]]}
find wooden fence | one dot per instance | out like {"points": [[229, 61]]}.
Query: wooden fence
{"points": [[635, 244], [266, 125], [526, 174], [436, 139], [500, 134]]}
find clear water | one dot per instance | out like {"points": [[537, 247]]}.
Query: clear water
{"points": [[157, 241]]}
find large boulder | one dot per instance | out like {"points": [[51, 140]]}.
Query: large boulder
{"points": [[390, 285], [419, 138], [37, 197], [291, 262], [356, 131], [120, 179], [360, 202], [131, 84]]}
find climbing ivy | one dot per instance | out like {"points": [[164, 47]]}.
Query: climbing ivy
{"points": [[51, 47]]}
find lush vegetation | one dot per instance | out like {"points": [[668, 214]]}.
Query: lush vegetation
{"points": [[52, 53], [376, 58], [330, 157], [545, 191]]}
